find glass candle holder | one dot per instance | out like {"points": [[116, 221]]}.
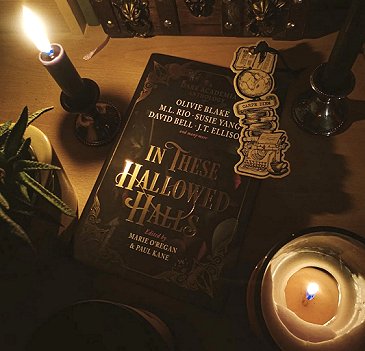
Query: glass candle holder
{"points": [[308, 293]]}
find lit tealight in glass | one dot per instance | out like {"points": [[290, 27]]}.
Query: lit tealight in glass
{"points": [[312, 294], [291, 312]]}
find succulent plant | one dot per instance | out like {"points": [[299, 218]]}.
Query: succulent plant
{"points": [[19, 186]]}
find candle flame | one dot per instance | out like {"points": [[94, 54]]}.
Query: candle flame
{"points": [[36, 31], [312, 290]]}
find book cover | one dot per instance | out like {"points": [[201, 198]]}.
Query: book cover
{"points": [[168, 209]]}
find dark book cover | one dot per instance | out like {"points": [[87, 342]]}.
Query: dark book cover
{"points": [[167, 209]]}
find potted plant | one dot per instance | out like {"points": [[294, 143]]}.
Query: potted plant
{"points": [[21, 187]]}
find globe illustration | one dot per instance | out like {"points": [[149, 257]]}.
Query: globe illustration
{"points": [[254, 83]]}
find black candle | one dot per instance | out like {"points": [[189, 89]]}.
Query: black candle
{"points": [[337, 71], [53, 56], [63, 71]]}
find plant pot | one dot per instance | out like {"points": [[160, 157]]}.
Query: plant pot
{"points": [[48, 229], [58, 225]]}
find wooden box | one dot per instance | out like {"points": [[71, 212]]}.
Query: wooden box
{"points": [[279, 19]]}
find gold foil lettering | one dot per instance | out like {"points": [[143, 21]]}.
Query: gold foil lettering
{"points": [[135, 207], [158, 153], [146, 184]]}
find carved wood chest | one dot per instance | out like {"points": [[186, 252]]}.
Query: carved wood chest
{"points": [[279, 19]]}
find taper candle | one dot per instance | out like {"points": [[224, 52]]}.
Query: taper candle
{"points": [[346, 49], [53, 56], [96, 122]]}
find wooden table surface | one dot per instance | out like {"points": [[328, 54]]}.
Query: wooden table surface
{"points": [[326, 185]]}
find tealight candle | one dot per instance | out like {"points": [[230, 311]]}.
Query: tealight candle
{"points": [[312, 293]]}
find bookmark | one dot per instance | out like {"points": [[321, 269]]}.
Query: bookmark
{"points": [[262, 144]]}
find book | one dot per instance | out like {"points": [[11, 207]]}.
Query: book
{"points": [[168, 209]]}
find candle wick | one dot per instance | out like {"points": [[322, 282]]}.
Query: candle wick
{"points": [[51, 54]]}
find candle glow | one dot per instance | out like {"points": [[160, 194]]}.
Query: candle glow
{"points": [[54, 58], [35, 29], [79, 95], [313, 294], [312, 290]]}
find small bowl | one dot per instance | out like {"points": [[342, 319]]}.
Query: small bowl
{"points": [[96, 325]]}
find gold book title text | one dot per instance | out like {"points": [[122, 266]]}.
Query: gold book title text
{"points": [[147, 184]]}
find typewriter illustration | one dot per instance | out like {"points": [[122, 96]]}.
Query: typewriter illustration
{"points": [[261, 155]]}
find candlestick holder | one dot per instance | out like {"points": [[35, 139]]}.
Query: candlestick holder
{"points": [[284, 310], [321, 111], [97, 122]]}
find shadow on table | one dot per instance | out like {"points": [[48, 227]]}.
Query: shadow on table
{"points": [[355, 113]]}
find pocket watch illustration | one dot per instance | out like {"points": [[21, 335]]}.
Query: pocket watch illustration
{"points": [[253, 83]]}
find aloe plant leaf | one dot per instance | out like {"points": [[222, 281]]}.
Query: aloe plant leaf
{"points": [[14, 227], [5, 127], [15, 138], [3, 202], [26, 179], [38, 113], [28, 165], [280, 3], [24, 148], [25, 194], [17, 195], [25, 212], [4, 132], [22, 151]]}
